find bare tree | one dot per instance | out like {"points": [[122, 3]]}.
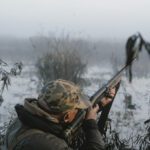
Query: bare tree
{"points": [[62, 61]]}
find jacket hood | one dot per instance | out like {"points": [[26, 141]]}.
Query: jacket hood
{"points": [[36, 118]]}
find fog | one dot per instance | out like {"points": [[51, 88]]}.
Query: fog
{"points": [[98, 28], [88, 18]]}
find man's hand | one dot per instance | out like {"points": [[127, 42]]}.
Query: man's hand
{"points": [[106, 100], [92, 112]]}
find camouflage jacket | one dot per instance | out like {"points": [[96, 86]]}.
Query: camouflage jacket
{"points": [[29, 132]]}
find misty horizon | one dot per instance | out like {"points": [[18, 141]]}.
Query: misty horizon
{"points": [[86, 18]]}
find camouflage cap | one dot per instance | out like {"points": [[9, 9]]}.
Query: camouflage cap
{"points": [[60, 95]]}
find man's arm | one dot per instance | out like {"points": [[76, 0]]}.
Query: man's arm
{"points": [[93, 137]]}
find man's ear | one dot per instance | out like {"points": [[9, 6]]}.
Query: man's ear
{"points": [[66, 117], [69, 116]]}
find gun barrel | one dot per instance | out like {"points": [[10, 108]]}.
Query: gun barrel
{"points": [[111, 83]]}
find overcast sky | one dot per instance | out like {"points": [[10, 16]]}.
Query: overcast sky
{"points": [[93, 18]]}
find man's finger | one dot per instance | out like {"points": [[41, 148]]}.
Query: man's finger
{"points": [[96, 108], [111, 93]]}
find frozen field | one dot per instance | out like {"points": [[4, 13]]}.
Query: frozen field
{"points": [[124, 120]]}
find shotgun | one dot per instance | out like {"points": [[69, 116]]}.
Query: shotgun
{"points": [[72, 130], [131, 54]]}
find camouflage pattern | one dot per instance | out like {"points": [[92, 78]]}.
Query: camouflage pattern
{"points": [[60, 95]]}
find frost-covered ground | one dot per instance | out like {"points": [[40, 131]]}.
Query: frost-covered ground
{"points": [[124, 120]]}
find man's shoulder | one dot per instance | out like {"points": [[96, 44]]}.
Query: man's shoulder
{"points": [[37, 139], [22, 138]]}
